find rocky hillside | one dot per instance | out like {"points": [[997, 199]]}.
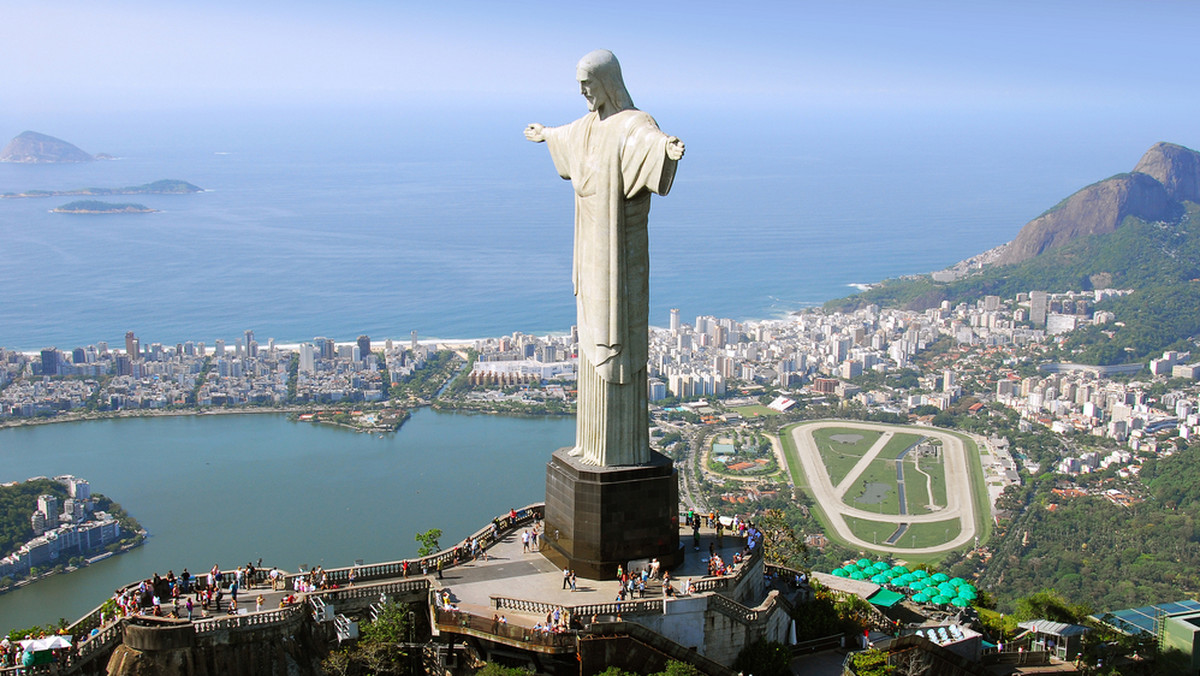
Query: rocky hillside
{"points": [[32, 147], [1166, 175]]}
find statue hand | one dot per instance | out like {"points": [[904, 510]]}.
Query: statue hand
{"points": [[674, 148], [535, 133]]}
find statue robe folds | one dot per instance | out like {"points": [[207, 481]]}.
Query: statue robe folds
{"points": [[613, 165]]}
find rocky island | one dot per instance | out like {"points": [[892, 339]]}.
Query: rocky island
{"points": [[96, 207], [30, 147], [162, 187]]}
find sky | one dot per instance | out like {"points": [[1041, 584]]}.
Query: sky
{"points": [[118, 55]]}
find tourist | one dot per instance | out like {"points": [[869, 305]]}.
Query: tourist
{"points": [[572, 581], [566, 577], [258, 603], [352, 575]]}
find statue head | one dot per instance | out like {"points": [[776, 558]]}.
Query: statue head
{"points": [[600, 81]]}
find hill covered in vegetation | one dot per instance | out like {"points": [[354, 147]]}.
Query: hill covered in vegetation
{"points": [[1137, 231]]}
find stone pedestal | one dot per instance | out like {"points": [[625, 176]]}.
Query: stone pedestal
{"points": [[600, 517]]}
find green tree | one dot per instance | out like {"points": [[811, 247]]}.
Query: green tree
{"points": [[764, 658], [429, 542], [871, 662], [1050, 605]]}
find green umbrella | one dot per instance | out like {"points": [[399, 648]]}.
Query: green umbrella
{"points": [[947, 589], [920, 574], [960, 602], [840, 572], [921, 597], [967, 588], [939, 577], [904, 579], [968, 594], [879, 578], [857, 575], [941, 599], [880, 566], [957, 581], [863, 563], [899, 570], [918, 585]]}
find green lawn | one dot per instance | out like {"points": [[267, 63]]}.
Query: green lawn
{"points": [[897, 444], [916, 489], [918, 534], [936, 468], [840, 456], [870, 531], [930, 534], [865, 491], [753, 411]]}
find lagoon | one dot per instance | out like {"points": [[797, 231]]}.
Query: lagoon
{"points": [[229, 489]]}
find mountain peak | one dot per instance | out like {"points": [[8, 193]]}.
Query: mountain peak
{"points": [[1176, 167], [1166, 175]]}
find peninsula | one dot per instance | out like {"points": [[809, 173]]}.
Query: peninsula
{"points": [[162, 187], [58, 525], [96, 207]]}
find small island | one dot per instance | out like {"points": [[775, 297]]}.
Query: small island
{"points": [[30, 147], [163, 187], [96, 207]]}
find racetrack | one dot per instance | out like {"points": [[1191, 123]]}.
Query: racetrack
{"points": [[959, 502]]}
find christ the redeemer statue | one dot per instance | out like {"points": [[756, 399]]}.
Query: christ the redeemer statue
{"points": [[614, 156]]}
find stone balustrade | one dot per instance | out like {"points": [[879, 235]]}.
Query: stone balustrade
{"points": [[288, 614]]}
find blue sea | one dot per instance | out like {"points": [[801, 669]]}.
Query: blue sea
{"points": [[445, 221]]}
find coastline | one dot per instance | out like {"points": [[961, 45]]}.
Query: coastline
{"points": [[142, 536], [150, 413]]}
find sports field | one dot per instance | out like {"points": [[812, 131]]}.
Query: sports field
{"points": [[867, 478]]}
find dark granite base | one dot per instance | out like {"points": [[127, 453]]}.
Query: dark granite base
{"points": [[598, 518]]}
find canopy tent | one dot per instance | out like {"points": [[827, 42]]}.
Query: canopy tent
{"points": [[885, 598]]}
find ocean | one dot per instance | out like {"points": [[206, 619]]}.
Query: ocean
{"points": [[447, 222]]}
